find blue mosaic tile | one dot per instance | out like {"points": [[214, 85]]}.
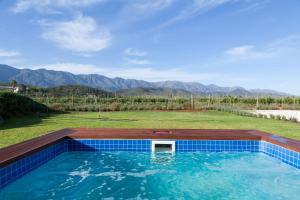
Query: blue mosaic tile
{"points": [[290, 157], [181, 145], [109, 145], [216, 145], [21, 167], [285, 155]]}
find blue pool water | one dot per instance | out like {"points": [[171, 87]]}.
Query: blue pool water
{"points": [[124, 175]]}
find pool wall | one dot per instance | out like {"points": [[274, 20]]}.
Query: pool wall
{"points": [[21, 167], [19, 159], [180, 145], [285, 155], [288, 156]]}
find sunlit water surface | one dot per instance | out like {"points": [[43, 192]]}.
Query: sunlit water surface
{"points": [[124, 175]]}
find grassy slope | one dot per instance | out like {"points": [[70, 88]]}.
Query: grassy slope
{"points": [[16, 130]]}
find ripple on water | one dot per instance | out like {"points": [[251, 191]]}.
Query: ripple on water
{"points": [[94, 175]]}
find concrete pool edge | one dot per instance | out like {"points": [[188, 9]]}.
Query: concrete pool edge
{"points": [[19, 159]]}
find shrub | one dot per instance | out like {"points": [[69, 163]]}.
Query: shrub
{"points": [[123, 107], [92, 108], [293, 119], [58, 106], [12, 104], [77, 108], [284, 118], [114, 106], [260, 115], [272, 116], [85, 109], [252, 115]]}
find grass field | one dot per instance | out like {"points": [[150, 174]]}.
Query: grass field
{"points": [[20, 129]]}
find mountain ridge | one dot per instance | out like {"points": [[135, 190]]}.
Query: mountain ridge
{"points": [[51, 78]]}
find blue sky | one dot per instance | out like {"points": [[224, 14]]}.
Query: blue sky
{"points": [[249, 43]]}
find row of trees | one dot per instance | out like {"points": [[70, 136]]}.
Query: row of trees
{"points": [[90, 99], [99, 103]]}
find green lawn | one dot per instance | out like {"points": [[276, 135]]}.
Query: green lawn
{"points": [[17, 130]]}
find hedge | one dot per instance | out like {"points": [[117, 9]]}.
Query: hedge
{"points": [[12, 105]]}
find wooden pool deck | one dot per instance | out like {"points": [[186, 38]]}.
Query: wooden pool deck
{"points": [[17, 151]]}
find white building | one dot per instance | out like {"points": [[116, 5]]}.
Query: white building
{"points": [[14, 89]]}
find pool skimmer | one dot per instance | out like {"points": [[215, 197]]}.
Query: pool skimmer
{"points": [[165, 146]]}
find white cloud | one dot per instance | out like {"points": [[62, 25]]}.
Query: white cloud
{"points": [[80, 35], [153, 5], [141, 6], [289, 44], [136, 61], [247, 52], [133, 56], [137, 10], [253, 6], [146, 73], [239, 51], [134, 52], [8, 53], [42, 5], [208, 4], [194, 9]]}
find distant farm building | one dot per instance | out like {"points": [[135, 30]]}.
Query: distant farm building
{"points": [[14, 89]]}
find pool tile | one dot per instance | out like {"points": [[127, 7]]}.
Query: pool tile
{"points": [[21, 167]]}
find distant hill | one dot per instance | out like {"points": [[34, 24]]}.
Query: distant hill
{"points": [[264, 92], [6, 72], [50, 78]]}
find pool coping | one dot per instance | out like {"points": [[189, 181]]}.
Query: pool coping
{"points": [[18, 151]]}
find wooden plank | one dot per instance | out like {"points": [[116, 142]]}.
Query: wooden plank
{"points": [[15, 152]]}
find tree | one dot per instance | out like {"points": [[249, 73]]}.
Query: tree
{"points": [[13, 83]]}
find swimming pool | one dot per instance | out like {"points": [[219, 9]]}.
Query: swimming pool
{"points": [[198, 175], [93, 164]]}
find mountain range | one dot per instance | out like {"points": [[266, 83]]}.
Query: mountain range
{"points": [[50, 78]]}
